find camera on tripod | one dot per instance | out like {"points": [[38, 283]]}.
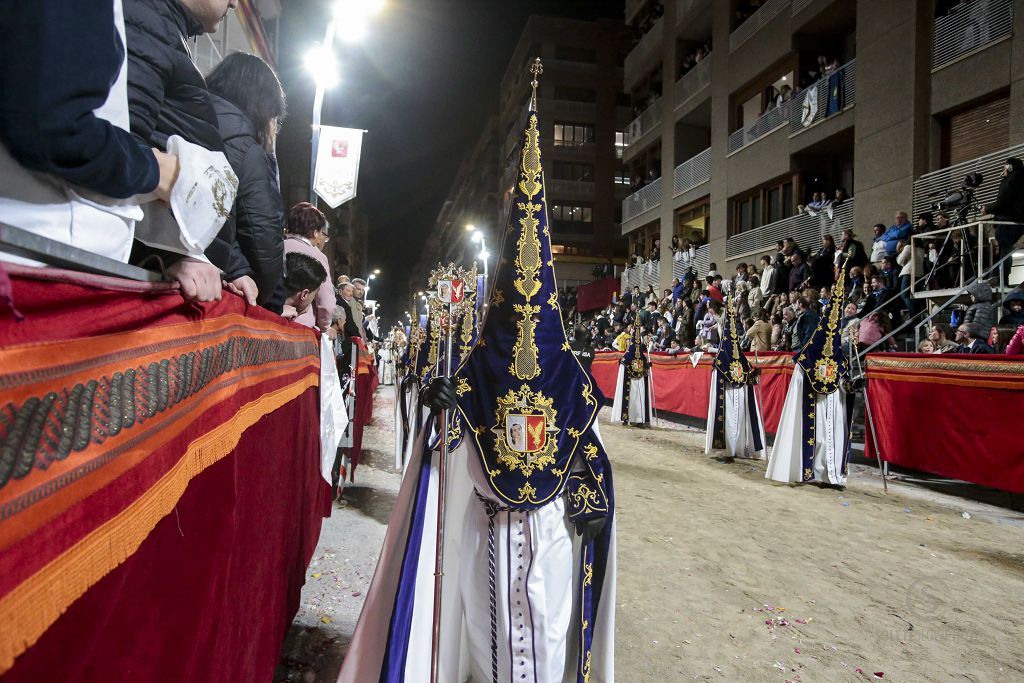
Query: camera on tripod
{"points": [[962, 198]]}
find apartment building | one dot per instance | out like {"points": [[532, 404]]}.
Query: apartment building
{"points": [[750, 108], [583, 114]]}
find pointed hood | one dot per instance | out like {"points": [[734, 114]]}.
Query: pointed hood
{"points": [[730, 362], [822, 357], [635, 357], [523, 396]]}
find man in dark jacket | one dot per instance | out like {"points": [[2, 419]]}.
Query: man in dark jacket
{"points": [[1014, 305], [970, 342], [806, 322], [800, 273], [1009, 205], [167, 96]]}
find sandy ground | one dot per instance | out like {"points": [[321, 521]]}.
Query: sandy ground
{"points": [[726, 576]]}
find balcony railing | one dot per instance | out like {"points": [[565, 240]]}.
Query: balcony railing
{"points": [[800, 5], [970, 28], [770, 121], [755, 22], [647, 48], [558, 187], [806, 229], [649, 272], [646, 198], [693, 81], [817, 101], [645, 123], [691, 173], [931, 187]]}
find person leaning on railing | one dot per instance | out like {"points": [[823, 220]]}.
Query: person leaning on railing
{"points": [[1009, 206]]}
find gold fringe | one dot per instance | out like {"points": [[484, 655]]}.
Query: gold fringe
{"points": [[34, 605]]}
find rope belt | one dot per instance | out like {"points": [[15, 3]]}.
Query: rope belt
{"points": [[492, 509]]}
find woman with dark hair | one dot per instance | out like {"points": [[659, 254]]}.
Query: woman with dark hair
{"points": [[307, 234], [823, 265], [250, 104]]}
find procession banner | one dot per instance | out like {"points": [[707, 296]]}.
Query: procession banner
{"points": [[337, 164]]}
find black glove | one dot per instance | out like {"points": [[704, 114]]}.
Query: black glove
{"points": [[439, 395], [590, 529]]}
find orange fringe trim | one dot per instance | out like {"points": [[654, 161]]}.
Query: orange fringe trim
{"points": [[33, 606]]}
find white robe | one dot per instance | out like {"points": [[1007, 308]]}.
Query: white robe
{"points": [[830, 436], [640, 403], [536, 559], [739, 436]]}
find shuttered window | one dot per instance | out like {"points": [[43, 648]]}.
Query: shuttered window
{"points": [[979, 130]]}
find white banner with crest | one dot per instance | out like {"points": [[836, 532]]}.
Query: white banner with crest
{"points": [[337, 164]]}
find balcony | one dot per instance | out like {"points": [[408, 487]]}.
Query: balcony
{"points": [[691, 173], [693, 81], [644, 53], [649, 120], [816, 103], [931, 187], [570, 188], [758, 20], [807, 230], [649, 272], [646, 198], [769, 122], [969, 29], [800, 5]]}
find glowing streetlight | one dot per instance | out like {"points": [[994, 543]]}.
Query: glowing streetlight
{"points": [[470, 227], [352, 18], [321, 65], [376, 271]]}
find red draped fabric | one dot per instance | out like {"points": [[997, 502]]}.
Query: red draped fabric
{"points": [[682, 389], [596, 294], [167, 540], [953, 415]]}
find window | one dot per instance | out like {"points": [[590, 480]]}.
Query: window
{"points": [[574, 94], [762, 206], [576, 54], [564, 170], [570, 250], [573, 135], [620, 143], [572, 219]]}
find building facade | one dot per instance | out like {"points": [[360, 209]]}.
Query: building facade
{"points": [[748, 109], [583, 114]]}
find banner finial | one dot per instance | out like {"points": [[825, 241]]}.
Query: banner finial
{"points": [[536, 69]]}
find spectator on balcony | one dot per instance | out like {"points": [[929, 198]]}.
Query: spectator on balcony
{"points": [[800, 273], [1009, 206], [981, 314], [823, 266], [900, 230], [814, 206], [656, 249], [839, 198], [1014, 305], [250, 104], [878, 244], [970, 342]]}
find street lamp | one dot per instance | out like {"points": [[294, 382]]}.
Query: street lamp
{"points": [[348, 21]]}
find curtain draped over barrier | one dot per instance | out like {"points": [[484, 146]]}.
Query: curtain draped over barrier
{"points": [[952, 415], [164, 496], [682, 389], [594, 295]]}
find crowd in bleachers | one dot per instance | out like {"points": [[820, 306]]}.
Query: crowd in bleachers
{"points": [[779, 299]]}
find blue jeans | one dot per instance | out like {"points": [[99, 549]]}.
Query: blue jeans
{"points": [[907, 296]]}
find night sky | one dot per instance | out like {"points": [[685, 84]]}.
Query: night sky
{"points": [[423, 83]]}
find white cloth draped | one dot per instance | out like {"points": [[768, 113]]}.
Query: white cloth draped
{"points": [[830, 436], [640, 403], [536, 560]]}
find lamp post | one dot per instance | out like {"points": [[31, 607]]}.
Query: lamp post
{"points": [[484, 255], [349, 20]]}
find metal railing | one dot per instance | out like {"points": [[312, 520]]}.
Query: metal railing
{"points": [[755, 22], [769, 122], [693, 81], [646, 198], [642, 275], [806, 229], [699, 260], [817, 102], [648, 120], [691, 173], [962, 252], [971, 27], [649, 272], [800, 6], [648, 46], [931, 187], [558, 187]]}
